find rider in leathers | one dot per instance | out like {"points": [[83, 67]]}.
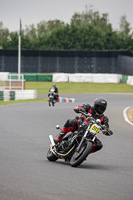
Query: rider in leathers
{"points": [[55, 92], [96, 111]]}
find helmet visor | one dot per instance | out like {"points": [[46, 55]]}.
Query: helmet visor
{"points": [[100, 109]]}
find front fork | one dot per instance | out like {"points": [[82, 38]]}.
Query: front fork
{"points": [[52, 145], [83, 138], [52, 140]]}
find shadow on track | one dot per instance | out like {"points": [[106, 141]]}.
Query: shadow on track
{"points": [[85, 166]]}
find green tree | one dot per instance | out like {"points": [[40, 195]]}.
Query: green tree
{"points": [[4, 36], [88, 30], [79, 38], [124, 26], [13, 40], [91, 17], [45, 29]]}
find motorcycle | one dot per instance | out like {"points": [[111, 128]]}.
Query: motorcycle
{"points": [[76, 146], [51, 99]]}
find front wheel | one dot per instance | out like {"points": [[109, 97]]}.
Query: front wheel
{"points": [[51, 156], [81, 155], [53, 102], [49, 102]]}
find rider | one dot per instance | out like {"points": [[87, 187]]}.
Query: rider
{"points": [[54, 90], [96, 111]]}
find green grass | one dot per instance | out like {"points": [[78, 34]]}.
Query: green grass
{"points": [[43, 88], [21, 101]]}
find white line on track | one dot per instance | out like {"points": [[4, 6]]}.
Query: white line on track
{"points": [[125, 116]]}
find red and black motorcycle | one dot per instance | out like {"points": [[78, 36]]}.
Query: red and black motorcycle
{"points": [[76, 146]]}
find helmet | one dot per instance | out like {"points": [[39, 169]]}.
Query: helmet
{"points": [[100, 105], [54, 85]]}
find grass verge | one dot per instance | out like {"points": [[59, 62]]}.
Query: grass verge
{"points": [[43, 88], [3, 103]]}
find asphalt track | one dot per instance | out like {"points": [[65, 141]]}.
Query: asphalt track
{"points": [[26, 174]]}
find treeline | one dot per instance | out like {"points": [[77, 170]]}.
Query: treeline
{"points": [[88, 30]]}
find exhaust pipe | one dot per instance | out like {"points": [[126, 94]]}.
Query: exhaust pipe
{"points": [[52, 140]]}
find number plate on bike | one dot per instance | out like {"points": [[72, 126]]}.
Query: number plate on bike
{"points": [[95, 128]]}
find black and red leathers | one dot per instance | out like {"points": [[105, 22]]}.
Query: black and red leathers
{"points": [[72, 125]]}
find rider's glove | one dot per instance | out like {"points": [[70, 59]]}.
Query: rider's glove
{"points": [[107, 132], [81, 109]]}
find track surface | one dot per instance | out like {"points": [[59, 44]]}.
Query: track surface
{"points": [[26, 174]]}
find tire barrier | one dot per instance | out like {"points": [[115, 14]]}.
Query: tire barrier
{"points": [[25, 94], [66, 100], [7, 95], [1, 96], [12, 95]]}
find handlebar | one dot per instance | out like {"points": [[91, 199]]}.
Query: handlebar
{"points": [[97, 121], [86, 114]]}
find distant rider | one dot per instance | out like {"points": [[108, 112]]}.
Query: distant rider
{"points": [[96, 111], [54, 90]]}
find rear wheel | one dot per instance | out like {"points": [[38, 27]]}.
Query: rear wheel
{"points": [[51, 156], [81, 155]]}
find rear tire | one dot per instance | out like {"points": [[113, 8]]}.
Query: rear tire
{"points": [[51, 156], [79, 157]]}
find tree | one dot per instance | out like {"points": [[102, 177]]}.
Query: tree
{"points": [[89, 30], [124, 26], [13, 41], [4, 36], [89, 16]]}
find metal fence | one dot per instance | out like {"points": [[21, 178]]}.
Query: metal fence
{"points": [[119, 62]]}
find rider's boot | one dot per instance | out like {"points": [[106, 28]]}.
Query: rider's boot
{"points": [[59, 137]]}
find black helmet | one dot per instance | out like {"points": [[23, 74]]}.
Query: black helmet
{"points": [[100, 105]]}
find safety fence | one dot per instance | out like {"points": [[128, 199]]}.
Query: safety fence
{"points": [[67, 61]]}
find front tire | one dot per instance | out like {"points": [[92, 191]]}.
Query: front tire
{"points": [[81, 155], [53, 102], [51, 156], [49, 103]]}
